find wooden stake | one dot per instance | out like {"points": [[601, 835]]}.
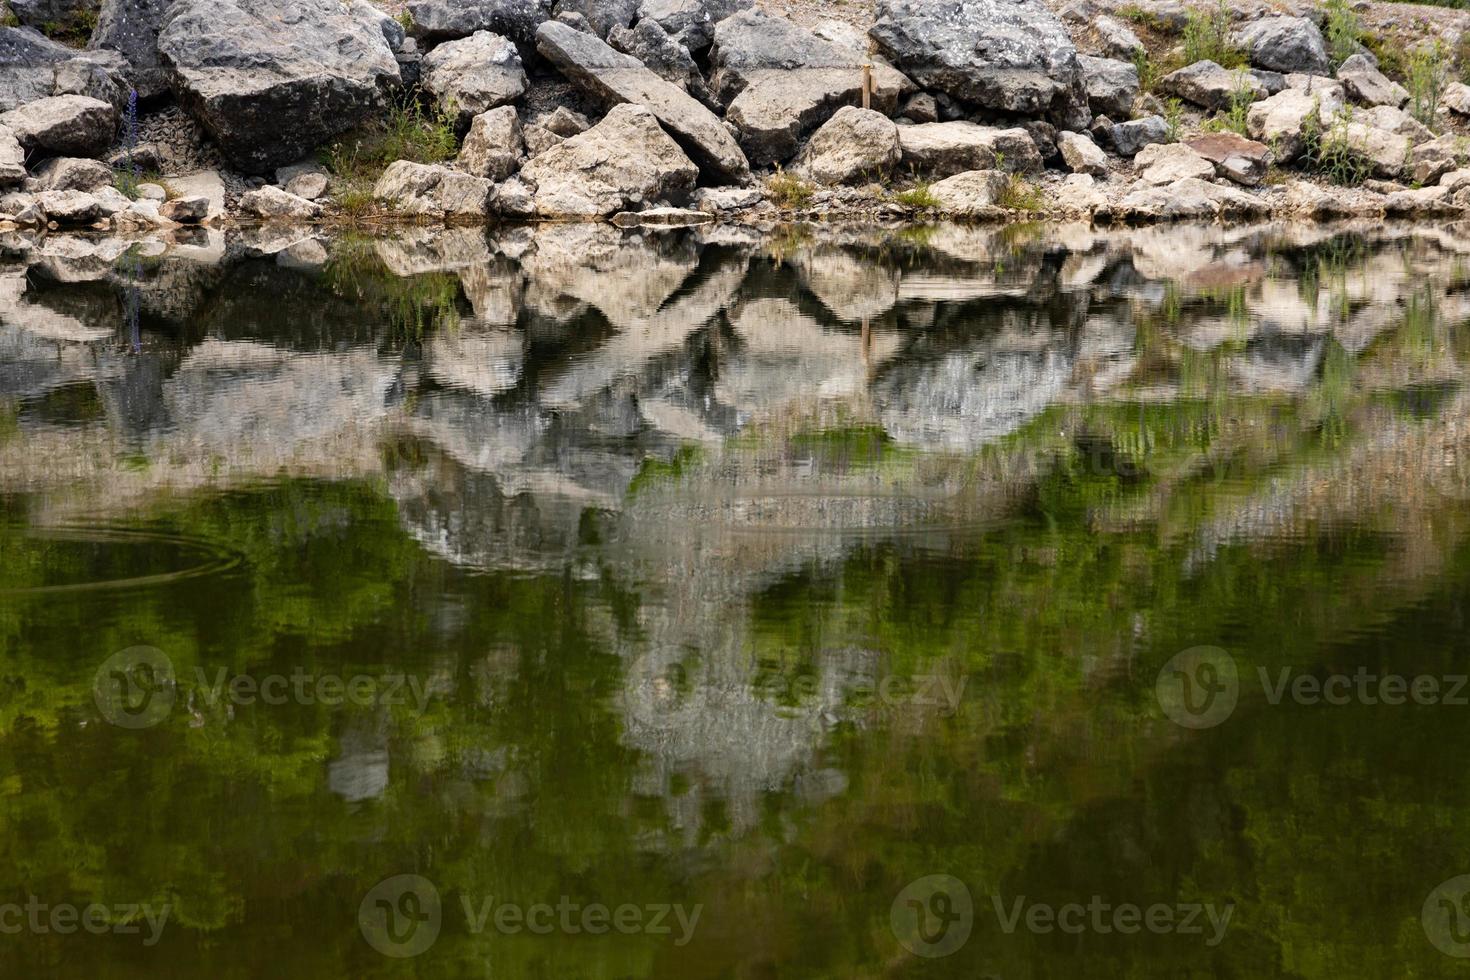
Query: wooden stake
{"points": [[867, 86]]}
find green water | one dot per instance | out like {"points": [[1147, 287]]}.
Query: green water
{"points": [[681, 605]]}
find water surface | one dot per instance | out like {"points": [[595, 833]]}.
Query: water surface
{"points": [[763, 574]]}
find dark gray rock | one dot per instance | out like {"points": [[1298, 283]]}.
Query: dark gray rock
{"points": [[1111, 85], [272, 80], [662, 55], [72, 16], [445, 20], [615, 78], [691, 22], [1285, 44], [1132, 136], [131, 27], [1010, 55], [603, 16], [28, 63]]}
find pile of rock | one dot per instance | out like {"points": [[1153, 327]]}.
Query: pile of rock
{"points": [[692, 100]]}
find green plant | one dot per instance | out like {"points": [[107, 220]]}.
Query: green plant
{"points": [[1207, 37], [1233, 119], [405, 21], [919, 197], [1148, 71], [1388, 53], [1174, 119], [788, 190], [1328, 151], [1426, 76], [1344, 30], [411, 130], [1020, 194]]}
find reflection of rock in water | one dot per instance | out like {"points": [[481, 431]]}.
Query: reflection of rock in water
{"points": [[360, 771], [529, 397]]}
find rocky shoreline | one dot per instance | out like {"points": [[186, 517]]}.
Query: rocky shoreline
{"points": [[691, 112]]}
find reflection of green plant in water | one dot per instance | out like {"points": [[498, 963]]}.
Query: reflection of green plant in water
{"points": [[413, 306]]}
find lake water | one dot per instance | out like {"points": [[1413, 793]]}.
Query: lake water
{"points": [[572, 602]]}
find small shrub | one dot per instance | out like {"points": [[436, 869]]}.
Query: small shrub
{"points": [[1233, 119], [1174, 119], [919, 197], [1426, 76], [1344, 30], [1021, 195], [409, 131], [788, 190], [1388, 53], [405, 21], [1207, 38], [1328, 151]]}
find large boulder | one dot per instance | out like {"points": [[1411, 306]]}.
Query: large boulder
{"points": [[493, 147], [615, 78], [445, 20], [431, 191], [272, 80], [474, 74], [1010, 55], [1211, 86], [691, 22], [28, 63], [948, 148], [624, 163], [1111, 85], [854, 145], [63, 125], [1285, 44], [1132, 136], [781, 81], [130, 27]]}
